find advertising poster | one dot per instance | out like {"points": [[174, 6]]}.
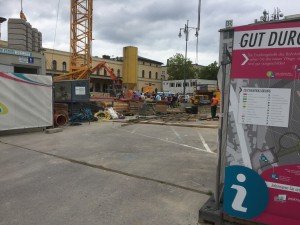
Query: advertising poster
{"points": [[25, 101], [262, 176]]}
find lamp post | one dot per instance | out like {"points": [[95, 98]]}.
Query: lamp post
{"points": [[186, 30]]}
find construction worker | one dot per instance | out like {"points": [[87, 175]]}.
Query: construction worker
{"points": [[213, 106]]}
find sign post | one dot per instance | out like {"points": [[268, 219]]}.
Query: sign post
{"points": [[262, 174]]}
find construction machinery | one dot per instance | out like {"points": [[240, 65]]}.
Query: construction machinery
{"points": [[81, 26], [73, 87], [200, 99], [148, 89], [84, 73]]}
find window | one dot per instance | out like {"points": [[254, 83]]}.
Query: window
{"points": [[98, 72], [178, 84], [194, 83], [156, 75], [150, 75], [118, 72], [143, 73], [105, 73], [54, 65], [64, 66], [171, 84]]}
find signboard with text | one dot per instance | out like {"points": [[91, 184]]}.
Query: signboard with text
{"points": [[263, 137], [8, 51]]}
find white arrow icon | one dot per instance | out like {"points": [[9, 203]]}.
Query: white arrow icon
{"points": [[246, 59]]}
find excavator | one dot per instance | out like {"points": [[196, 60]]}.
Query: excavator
{"points": [[84, 73]]}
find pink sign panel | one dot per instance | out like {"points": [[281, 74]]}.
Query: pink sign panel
{"points": [[284, 190], [263, 131], [267, 51]]}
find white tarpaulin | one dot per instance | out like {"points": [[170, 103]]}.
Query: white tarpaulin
{"points": [[25, 101]]}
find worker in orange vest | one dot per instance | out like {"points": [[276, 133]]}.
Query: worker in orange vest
{"points": [[213, 106]]}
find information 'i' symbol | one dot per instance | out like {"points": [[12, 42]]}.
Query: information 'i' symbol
{"points": [[241, 194]]}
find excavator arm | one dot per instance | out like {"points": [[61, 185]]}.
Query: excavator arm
{"points": [[106, 67], [85, 73]]}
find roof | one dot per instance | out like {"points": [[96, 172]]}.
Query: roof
{"points": [[149, 60]]}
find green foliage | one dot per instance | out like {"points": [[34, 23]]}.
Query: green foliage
{"points": [[209, 72], [176, 68]]}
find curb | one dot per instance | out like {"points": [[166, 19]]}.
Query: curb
{"points": [[127, 123]]}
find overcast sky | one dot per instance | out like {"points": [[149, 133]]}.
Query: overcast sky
{"points": [[151, 25]]}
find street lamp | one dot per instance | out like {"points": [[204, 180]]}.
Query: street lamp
{"points": [[186, 30]]}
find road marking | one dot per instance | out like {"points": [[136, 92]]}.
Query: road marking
{"points": [[176, 133], [204, 142], [173, 142]]}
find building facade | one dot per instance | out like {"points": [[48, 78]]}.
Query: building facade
{"points": [[148, 71], [176, 86], [149, 74], [164, 73], [18, 61]]}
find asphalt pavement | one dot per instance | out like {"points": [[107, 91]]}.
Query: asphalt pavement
{"points": [[103, 173]]}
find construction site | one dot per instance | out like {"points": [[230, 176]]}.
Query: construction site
{"points": [[90, 140], [77, 149]]}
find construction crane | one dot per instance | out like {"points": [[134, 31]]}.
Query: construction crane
{"points": [[81, 27], [22, 15]]}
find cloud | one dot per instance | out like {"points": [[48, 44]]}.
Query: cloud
{"points": [[151, 25]]}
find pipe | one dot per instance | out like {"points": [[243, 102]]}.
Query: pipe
{"points": [[60, 119]]}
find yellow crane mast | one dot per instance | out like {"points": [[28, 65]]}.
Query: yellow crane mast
{"points": [[81, 36], [81, 29]]}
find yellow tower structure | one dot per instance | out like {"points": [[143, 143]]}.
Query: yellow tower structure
{"points": [[81, 34], [130, 67]]}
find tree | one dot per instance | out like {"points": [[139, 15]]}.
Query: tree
{"points": [[176, 68], [209, 72]]}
